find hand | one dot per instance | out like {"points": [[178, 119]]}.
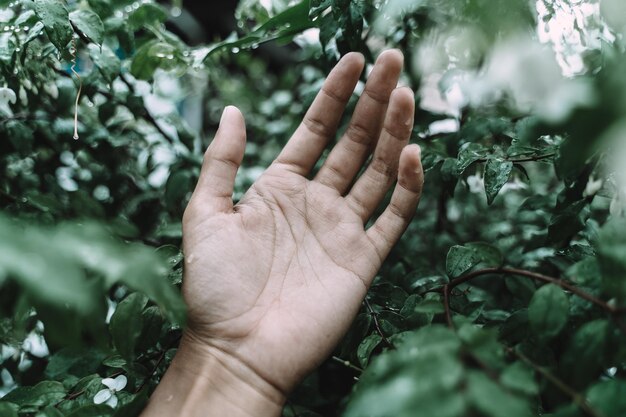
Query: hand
{"points": [[274, 282]]}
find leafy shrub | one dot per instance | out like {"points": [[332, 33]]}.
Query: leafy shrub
{"points": [[505, 297]]}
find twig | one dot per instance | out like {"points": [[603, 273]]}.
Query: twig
{"points": [[347, 364], [526, 159], [576, 397], [146, 114], [447, 289], [377, 324], [154, 370]]}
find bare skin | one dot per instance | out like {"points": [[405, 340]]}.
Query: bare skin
{"points": [[274, 282]]}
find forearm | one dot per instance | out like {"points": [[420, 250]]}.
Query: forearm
{"points": [[203, 382]]}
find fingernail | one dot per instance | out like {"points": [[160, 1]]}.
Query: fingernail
{"points": [[225, 112]]}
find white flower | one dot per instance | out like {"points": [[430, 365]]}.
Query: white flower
{"points": [[107, 395], [7, 96]]}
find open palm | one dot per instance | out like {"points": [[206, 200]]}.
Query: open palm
{"points": [[275, 281]]}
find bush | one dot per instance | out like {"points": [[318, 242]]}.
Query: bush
{"points": [[505, 297]]}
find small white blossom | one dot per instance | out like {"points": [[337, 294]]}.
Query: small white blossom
{"points": [[7, 96], [107, 396]]}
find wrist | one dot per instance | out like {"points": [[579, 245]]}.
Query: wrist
{"points": [[206, 381]]}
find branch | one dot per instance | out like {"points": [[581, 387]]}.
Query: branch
{"points": [[576, 397], [447, 289], [376, 323], [526, 159], [347, 364]]}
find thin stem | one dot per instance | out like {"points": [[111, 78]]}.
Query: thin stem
{"points": [[347, 364], [376, 323], [447, 289], [576, 397], [525, 159]]}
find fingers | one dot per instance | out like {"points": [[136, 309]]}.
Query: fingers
{"points": [[393, 222], [321, 120], [221, 161], [347, 157], [371, 187]]}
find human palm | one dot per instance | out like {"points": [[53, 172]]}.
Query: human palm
{"points": [[276, 280]]}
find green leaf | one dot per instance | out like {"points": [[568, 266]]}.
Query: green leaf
{"points": [[8, 409], [586, 354], [56, 20], [107, 62], [607, 397], [518, 377], [395, 383], [429, 306], [148, 14], [612, 257], [366, 348], [292, 21], [470, 153], [92, 410], [44, 393], [153, 55], [497, 172], [88, 25], [178, 185], [548, 311], [461, 259], [127, 325], [492, 400]]}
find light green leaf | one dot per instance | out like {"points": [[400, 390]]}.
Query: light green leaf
{"points": [[548, 311], [88, 25], [106, 61], [497, 172]]}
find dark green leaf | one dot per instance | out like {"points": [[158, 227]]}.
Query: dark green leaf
{"points": [[548, 311], [56, 20], [127, 324], [366, 348], [492, 400]]}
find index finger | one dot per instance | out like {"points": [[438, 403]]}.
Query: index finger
{"points": [[321, 120]]}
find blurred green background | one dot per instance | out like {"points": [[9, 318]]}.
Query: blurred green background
{"points": [[505, 295]]}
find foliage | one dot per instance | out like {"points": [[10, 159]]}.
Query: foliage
{"points": [[505, 297]]}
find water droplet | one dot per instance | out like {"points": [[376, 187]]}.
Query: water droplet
{"points": [[75, 136], [128, 9], [170, 56], [18, 30], [17, 49], [26, 28], [235, 50], [16, 71], [24, 200], [118, 13], [7, 28], [135, 6], [176, 11], [186, 53], [90, 104]]}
